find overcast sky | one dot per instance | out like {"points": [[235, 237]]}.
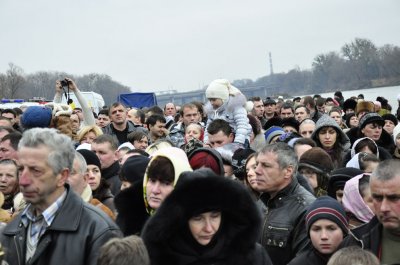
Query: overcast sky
{"points": [[183, 45]]}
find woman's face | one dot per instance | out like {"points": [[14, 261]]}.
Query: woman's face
{"points": [[353, 122], [373, 131], [89, 137], [157, 191], [142, 144], [251, 174], [94, 176], [311, 176], [389, 126], [326, 236], [327, 136], [337, 117], [8, 178], [204, 226], [367, 198]]}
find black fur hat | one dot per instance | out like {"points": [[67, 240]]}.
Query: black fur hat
{"points": [[197, 192]]}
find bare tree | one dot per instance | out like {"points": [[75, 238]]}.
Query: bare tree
{"points": [[14, 80]]}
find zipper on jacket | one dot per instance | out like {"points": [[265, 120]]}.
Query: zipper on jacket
{"points": [[270, 227]]}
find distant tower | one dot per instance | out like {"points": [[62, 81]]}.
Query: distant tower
{"points": [[270, 64]]}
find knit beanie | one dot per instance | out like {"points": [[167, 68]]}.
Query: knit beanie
{"points": [[326, 207], [371, 117], [272, 132], [239, 159], [218, 89], [36, 116], [390, 117], [90, 157], [134, 168], [316, 159]]}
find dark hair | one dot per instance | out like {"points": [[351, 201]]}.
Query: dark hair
{"points": [[141, 115], [162, 169], [136, 136], [10, 111], [18, 111], [302, 106], [309, 100], [255, 99], [114, 105], [219, 125], [363, 184], [155, 110], [287, 105], [335, 109], [366, 142], [103, 112], [255, 124], [152, 119], [305, 141], [199, 106], [14, 138]]}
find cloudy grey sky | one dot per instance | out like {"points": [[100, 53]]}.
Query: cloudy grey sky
{"points": [[158, 45]]}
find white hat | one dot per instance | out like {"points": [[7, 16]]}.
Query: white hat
{"points": [[86, 146], [218, 89]]}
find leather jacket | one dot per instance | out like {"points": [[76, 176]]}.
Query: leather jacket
{"points": [[367, 236], [74, 237], [284, 231]]}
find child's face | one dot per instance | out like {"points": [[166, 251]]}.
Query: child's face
{"points": [[193, 131], [216, 102]]}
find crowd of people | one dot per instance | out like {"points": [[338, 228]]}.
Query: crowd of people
{"points": [[232, 180]]}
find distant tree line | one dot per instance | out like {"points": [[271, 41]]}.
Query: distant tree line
{"points": [[16, 84], [359, 64]]}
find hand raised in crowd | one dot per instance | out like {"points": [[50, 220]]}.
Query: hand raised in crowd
{"points": [[71, 84]]}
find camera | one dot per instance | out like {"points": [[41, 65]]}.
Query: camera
{"points": [[64, 83]]}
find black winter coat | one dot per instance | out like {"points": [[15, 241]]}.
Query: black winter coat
{"points": [[132, 214], [310, 257], [168, 238]]}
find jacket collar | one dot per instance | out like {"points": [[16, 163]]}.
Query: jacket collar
{"points": [[286, 191], [67, 218], [110, 171]]}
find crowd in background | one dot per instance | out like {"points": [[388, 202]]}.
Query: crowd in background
{"points": [[227, 181]]}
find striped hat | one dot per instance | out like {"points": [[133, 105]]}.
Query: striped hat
{"points": [[326, 207]]}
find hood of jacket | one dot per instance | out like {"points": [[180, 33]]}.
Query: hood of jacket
{"points": [[201, 191], [179, 161], [353, 202], [326, 121]]}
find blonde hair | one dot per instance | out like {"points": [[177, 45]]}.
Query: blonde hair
{"points": [[89, 128]]}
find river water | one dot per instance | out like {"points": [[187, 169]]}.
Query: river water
{"points": [[370, 94]]}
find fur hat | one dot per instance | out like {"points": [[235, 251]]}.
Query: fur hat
{"points": [[272, 132], [349, 104], [274, 121], [326, 207], [221, 88], [134, 168], [292, 122], [36, 116], [90, 157], [367, 106], [390, 117], [371, 117], [339, 177], [316, 159], [207, 157]]}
